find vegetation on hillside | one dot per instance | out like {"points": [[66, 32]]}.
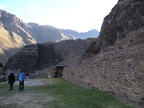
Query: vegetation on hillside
{"points": [[93, 48]]}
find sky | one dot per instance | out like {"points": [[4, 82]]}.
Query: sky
{"points": [[79, 15]]}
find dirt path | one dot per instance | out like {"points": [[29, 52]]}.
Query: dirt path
{"points": [[26, 99], [33, 82]]}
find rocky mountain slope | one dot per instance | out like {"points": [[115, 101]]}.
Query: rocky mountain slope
{"points": [[45, 33], [125, 18], [15, 33]]}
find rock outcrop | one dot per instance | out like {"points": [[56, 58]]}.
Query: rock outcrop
{"points": [[126, 17]]}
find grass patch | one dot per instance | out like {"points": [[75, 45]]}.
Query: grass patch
{"points": [[68, 95], [77, 97], [4, 87]]}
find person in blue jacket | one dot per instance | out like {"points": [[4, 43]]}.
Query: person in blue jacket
{"points": [[21, 81]]}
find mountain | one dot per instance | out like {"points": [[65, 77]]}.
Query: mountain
{"points": [[82, 35], [14, 34], [45, 33]]}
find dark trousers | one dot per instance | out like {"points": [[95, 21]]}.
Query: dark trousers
{"points": [[10, 86], [21, 86]]}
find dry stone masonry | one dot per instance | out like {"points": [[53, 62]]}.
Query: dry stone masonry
{"points": [[119, 66], [120, 72]]}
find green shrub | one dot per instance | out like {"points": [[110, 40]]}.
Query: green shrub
{"points": [[93, 48]]}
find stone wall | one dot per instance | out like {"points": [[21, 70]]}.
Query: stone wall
{"points": [[40, 56], [120, 71], [47, 55], [119, 66], [50, 72], [25, 59]]}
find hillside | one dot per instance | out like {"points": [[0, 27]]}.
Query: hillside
{"points": [[15, 33], [45, 33]]}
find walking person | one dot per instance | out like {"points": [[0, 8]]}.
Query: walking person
{"points": [[27, 75], [21, 81], [11, 80]]}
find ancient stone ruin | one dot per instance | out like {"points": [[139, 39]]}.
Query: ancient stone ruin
{"points": [[113, 63]]}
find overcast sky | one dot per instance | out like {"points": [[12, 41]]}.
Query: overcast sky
{"points": [[79, 15]]}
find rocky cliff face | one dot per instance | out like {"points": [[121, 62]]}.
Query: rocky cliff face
{"points": [[119, 67], [127, 16]]}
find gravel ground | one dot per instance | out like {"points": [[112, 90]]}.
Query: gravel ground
{"points": [[26, 99], [32, 82]]}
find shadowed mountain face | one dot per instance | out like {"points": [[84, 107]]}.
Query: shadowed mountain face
{"points": [[14, 34], [126, 17]]}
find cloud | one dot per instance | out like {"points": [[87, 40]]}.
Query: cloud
{"points": [[2, 6]]}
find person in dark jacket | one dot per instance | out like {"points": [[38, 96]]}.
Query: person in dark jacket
{"points": [[11, 80]]}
